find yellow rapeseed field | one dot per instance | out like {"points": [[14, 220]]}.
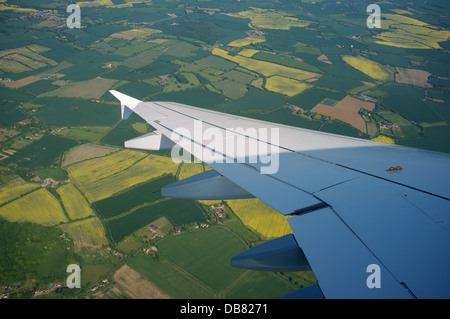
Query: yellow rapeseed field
{"points": [[383, 139], [14, 190], [75, 204], [285, 86], [95, 3], [139, 33], [6, 6], [189, 169], [86, 233], [265, 68], [270, 19], [260, 217], [410, 33], [366, 66], [102, 177], [245, 41], [248, 52], [38, 207], [102, 167]]}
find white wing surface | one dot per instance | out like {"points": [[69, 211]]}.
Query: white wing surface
{"points": [[371, 220]]}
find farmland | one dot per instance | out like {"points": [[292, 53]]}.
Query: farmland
{"points": [[346, 110], [265, 68], [23, 59], [285, 86], [245, 41], [45, 152], [189, 272], [87, 234], [408, 32], [308, 64], [85, 152], [74, 203], [37, 207], [178, 212], [366, 66], [271, 19], [145, 193], [90, 89], [85, 133], [189, 169], [102, 177], [14, 190], [259, 217]]}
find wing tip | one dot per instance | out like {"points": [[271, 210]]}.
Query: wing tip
{"points": [[124, 99]]}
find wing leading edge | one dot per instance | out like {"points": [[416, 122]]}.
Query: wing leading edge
{"points": [[371, 220]]}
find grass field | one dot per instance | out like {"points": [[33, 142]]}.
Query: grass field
{"points": [[196, 265], [86, 151], [14, 190], [74, 203], [205, 254], [44, 152], [368, 67], [260, 217], [411, 108], [177, 211], [216, 62], [85, 133], [407, 129], [38, 207], [169, 278], [86, 233], [89, 89], [53, 172], [181, 81], [231, 89], [137, 196]]}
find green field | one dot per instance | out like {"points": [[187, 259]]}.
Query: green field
{"points": [[200, 261], [272, 61], [310, 98], [45, 152], [10, 113], [435, 139], [145, 193], [177, 211], [86, 133], [410, 108], [76, 112]]}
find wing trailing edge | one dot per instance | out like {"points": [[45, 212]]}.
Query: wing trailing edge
{"points": [[152, 142], [205, 186]]}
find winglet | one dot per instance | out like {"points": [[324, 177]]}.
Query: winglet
{"points": [[127, 103]]}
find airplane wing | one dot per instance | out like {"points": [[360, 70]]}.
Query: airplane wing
{"points": [[371, 220]]}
